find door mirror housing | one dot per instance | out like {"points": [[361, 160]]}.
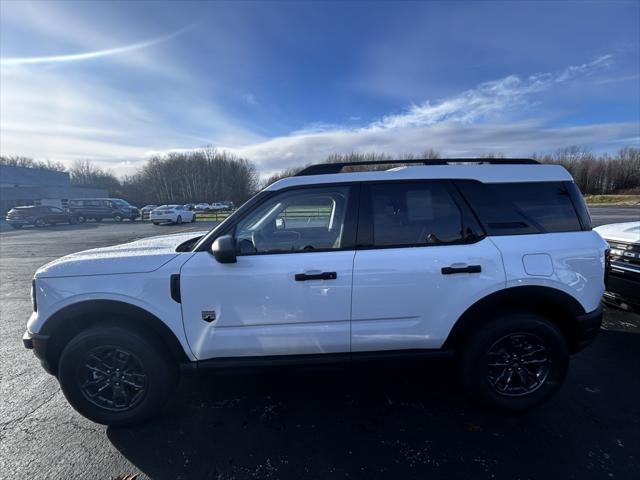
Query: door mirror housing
{"points": [[224, 249]]}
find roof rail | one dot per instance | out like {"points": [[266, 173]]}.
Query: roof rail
{"points": [[329, 168]]}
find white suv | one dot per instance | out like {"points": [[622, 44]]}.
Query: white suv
{"points": [[491, 262]]}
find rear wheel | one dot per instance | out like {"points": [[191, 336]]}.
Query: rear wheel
{"points": [[40, 222], [515, 362], [116, 376], [81, 219], [117, 217]]}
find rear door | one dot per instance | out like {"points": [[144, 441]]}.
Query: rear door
{"points": [[422, 261]]}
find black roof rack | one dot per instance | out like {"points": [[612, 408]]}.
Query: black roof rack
{"points": [[328, 168]]}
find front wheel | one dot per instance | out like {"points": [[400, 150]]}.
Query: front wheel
{"points": [[40, 223], [115, 376], [117, 217], [179, 220], [193, 219], [81, 219], [514, 363]]}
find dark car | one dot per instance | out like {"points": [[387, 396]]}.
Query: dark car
{"points": [[39, 216], [99, 208]]}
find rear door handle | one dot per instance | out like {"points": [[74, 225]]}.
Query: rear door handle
{"points": [[301, 277], [467, 269]]}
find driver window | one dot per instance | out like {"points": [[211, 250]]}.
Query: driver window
{"points": [[295, 221]]}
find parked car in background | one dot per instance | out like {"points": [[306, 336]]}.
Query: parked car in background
{"points": [[623, 275], [147, 208], [38, 216], [172, 214], [100, 208], [190, 206], [217, 206], [202, 207]]}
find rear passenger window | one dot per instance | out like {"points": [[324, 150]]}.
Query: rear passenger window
{"points": [[520, 208], [412, 214]]}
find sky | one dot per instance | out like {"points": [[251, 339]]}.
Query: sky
{"points": [[286, 84]]}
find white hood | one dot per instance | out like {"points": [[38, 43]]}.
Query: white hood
{"points": [[141, 256], [620, 232]]}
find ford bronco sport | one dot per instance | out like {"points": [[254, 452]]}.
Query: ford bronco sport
{"points": [[490, 261]]}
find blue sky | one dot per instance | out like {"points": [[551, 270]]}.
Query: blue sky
{"points": [[288, 83]]}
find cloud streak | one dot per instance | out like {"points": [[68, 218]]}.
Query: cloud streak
{"points": [[77, 57], [487, 98]]}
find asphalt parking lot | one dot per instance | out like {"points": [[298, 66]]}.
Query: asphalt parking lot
{"points": [[308, 424]]}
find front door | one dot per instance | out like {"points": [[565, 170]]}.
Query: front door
{"points": [[289, 292], [423, 263]]}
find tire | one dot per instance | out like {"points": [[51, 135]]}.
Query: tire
{"points": [[73, 220], [102, 349], [193, 219], [534, 375], [40, 223], [81, 219], [156, 223], [179, 220], [117, 217]]}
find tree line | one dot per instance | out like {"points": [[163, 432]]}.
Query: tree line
{"points": [[209, 175], [594, 174]]}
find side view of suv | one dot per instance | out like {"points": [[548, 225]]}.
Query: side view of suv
{"points": [[39, 216], [491, 262], [100, 208]]}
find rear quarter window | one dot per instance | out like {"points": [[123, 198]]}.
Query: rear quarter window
{"points": [[522, 208]]}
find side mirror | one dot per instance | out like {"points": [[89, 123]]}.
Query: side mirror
{"points": [[280, 223], [224, 249]]}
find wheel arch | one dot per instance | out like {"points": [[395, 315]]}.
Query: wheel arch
{"points": [[555, 305], [67, 322]]}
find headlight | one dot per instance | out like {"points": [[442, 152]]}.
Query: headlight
{"points": [[33, 295]]}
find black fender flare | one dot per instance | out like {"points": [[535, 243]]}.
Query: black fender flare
{"points": [[557, 306], [67, 322]]}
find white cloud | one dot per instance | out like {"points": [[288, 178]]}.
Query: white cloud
{"points": [[451, 139], [249, 98]]}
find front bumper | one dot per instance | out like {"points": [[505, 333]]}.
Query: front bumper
{"points": [[588, 327], [37, 343], [623, 285]]}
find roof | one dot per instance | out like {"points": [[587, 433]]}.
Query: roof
{"points": [[482, 173], [22, 176]]}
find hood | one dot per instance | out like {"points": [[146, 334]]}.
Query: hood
{"points": [[141, 256], [628, 232]]}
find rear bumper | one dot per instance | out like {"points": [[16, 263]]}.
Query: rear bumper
{"points": [[37, 343], [588, 326]]}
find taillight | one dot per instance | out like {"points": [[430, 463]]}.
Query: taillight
{"points": [[607, 265], [33, 295]]}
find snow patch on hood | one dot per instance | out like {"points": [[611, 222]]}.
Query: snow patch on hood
{"points": [[140, 256]]}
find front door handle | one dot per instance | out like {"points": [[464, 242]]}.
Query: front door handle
{"points": [[467, 269], [301, 277]]}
